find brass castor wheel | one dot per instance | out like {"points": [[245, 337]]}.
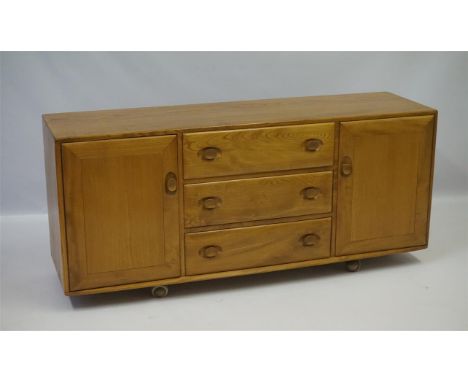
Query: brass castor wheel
{"points": [[160, 291], [353, 265]]}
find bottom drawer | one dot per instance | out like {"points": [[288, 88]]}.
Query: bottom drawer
{"points": [[250, 247]]}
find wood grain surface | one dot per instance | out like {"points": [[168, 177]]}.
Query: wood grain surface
{"points": [[256, 246], [258, 198], [247, 271], [384, 202], [257, 150], [55, 205], [121, 224], [256, 186], [104, 124]]}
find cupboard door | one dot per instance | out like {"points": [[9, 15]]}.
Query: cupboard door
{"points": [[384, 184], [122, 219]]}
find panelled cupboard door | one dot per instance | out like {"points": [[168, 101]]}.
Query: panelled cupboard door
{"points": [[384, 184], [122, 221]]}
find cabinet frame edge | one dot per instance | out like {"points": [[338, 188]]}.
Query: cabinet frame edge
{"points": [[55, 205], [431, 177], [244, 272]]}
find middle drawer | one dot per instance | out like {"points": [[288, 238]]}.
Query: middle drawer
{"points": [[252, 199]]}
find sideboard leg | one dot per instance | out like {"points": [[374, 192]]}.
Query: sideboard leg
{"points": [[160, 291], [353, 265]]}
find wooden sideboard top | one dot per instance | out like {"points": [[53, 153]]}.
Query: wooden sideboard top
{"points": [[119, 123]]}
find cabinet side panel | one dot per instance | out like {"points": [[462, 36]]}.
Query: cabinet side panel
{"points": [[431, 179], [53, 172]]}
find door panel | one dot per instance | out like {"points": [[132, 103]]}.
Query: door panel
{"points": [[384, 184], [122, 225]]}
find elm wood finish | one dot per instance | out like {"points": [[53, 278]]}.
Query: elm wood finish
{"points": [[127, 123], [258, 175], [181, 204], [248, 271], [234, 152], [279, 115], [384, 183], [122, 211], [256, 222], [335, 188], [269, 197], [251, 247], [54, 182]]}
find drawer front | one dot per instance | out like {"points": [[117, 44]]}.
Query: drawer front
{"points": [[258, 198], [250, 247], [219, 153]]}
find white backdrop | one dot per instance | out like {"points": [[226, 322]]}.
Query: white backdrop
{"points": [[37, 83]]}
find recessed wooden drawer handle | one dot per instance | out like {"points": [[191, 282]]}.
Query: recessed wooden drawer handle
{"points": [[310, 240], [171, 183], [346, 166], [313, 144], [311, 193], [210, 153], [210, 202], [210, 251]]}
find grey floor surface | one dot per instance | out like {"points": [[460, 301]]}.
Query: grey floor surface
{"points": [[423, 290]]}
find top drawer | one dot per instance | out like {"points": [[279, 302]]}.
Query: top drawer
{"points": [[233, 152]]}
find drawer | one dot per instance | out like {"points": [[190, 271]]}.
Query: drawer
{"points": [[269, 197], [250, 247], [218, 153]]}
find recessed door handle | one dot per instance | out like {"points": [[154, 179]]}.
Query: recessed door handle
{"points": [[171, 183], [346, 166]]}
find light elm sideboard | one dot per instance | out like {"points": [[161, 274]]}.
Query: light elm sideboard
{"points": [[149, 197]]}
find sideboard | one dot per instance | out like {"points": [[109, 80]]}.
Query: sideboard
{"points": [[154, 196]]}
